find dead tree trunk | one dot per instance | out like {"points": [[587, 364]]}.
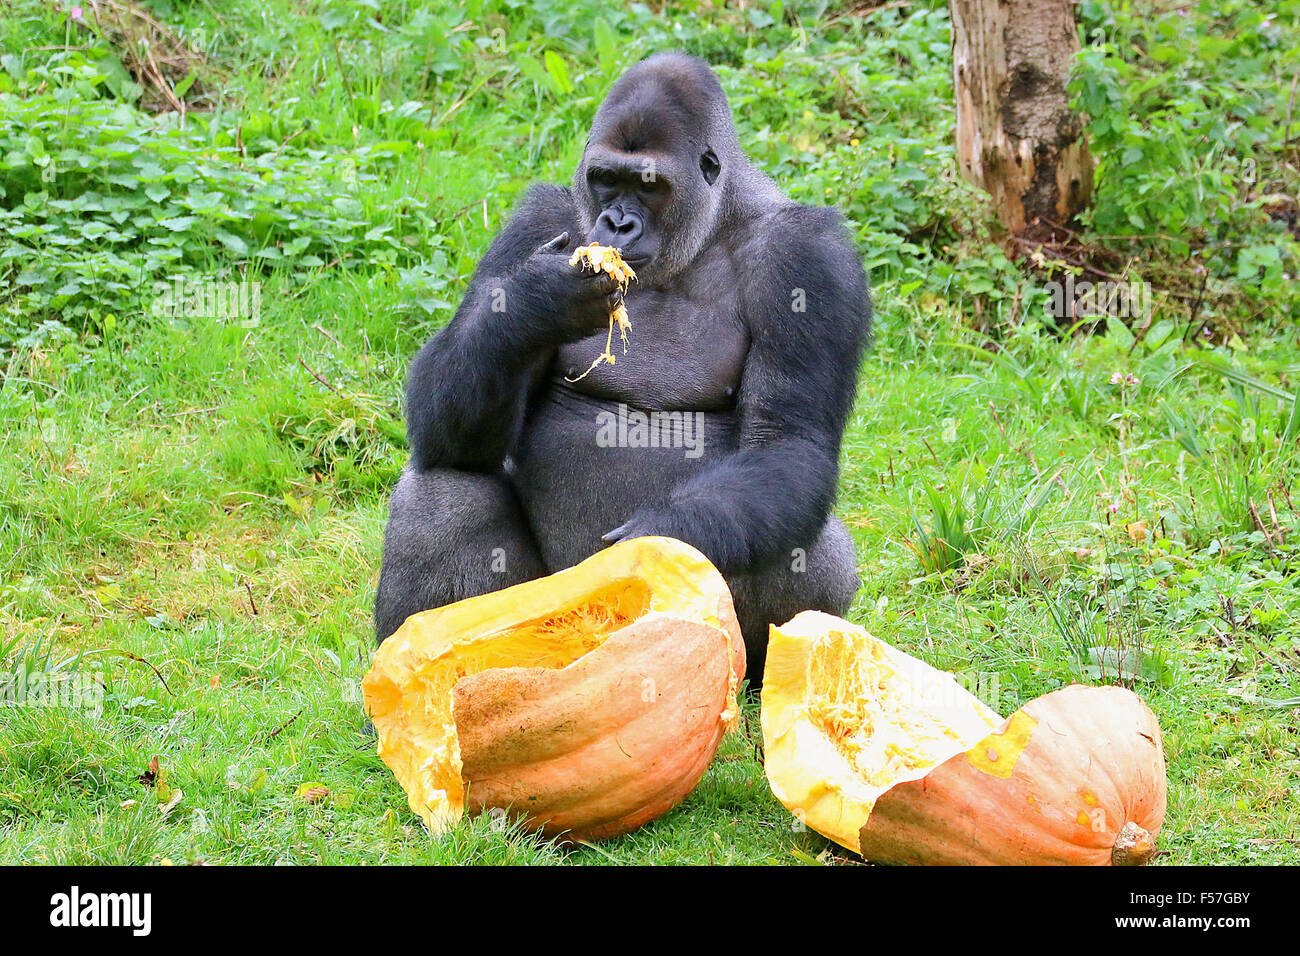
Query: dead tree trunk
{"points": [[1017, 138]]}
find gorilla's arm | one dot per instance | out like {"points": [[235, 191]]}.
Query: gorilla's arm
{"points": [[774, 492], [467, 386]]}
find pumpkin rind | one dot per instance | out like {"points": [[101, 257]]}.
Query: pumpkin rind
{"points": [[1074, 777], [639, 638], [1092, 766], [604, 745]]}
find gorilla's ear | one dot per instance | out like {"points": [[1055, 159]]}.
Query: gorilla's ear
{"points": [[710, 166]]}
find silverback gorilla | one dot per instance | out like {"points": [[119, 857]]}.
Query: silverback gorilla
{"points": [[749, 318]]}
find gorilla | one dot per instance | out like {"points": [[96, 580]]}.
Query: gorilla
{"points": [[719, 424]]}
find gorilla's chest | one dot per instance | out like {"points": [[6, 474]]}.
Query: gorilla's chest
{"points": [[593, 451], [685, 351]]}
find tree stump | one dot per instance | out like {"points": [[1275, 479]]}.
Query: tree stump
{"points": [[1017, 137]]}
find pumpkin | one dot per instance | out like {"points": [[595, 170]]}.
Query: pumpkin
{"points": [[608, 260], [585, 703], [895, 760]]}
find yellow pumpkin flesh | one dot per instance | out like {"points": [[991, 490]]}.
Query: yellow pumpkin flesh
{"points": [[586, 702], [896, 761]]}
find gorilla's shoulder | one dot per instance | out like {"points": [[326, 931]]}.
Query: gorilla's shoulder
{"points": [[824, 222], [544, 211], [546, 193], [798, 238], [808, 249], [545, 204]]}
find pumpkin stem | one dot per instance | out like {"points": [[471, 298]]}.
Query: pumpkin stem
{"points": [[1133, 847]]}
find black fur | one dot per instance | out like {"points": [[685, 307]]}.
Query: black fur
{"points": [[507, 479]]}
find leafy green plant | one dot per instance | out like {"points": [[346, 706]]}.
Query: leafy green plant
{"points": [[35, 663], [973, 515], [106, 205], [1102, 620], [1183, 118], [1247, 448]]}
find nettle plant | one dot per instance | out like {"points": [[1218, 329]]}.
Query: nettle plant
{"points": [[101, 202], [1185, 124]]}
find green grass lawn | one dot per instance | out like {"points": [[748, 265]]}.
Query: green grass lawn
{"points": [[191, 510]]}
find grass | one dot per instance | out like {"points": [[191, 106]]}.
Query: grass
{"points": [[148, 526], [191, 514]]}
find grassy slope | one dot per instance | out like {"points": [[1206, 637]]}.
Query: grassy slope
{"points": [[143, 510]]}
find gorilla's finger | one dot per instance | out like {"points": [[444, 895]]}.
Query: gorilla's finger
{"points": [[602, 285], [555, 245], [613, 537]]}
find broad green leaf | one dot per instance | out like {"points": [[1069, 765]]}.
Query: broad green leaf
{"points": [[606, 42], [559, 73]]}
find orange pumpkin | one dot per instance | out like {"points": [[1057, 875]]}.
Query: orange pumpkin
{"points": [[896, 761], [586, 703]]}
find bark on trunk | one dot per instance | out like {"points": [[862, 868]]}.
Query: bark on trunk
{"points": [[1016, 136]]}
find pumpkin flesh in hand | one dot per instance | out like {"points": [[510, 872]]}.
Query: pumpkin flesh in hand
{"points": [[585, 703], [896, 761]]}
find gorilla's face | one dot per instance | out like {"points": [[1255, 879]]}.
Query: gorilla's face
{"points": [[651, 182], [633, 203]]}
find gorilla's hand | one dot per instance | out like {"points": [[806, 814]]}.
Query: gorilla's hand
{"points": [[670, 523], [642, 524], [574, 302]]}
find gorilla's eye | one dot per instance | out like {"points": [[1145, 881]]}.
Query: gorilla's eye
{"points": [[599, 176], [710, 166]]}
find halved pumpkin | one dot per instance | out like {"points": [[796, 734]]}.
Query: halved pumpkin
{"points": [[587, 702], [897, 761]]}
